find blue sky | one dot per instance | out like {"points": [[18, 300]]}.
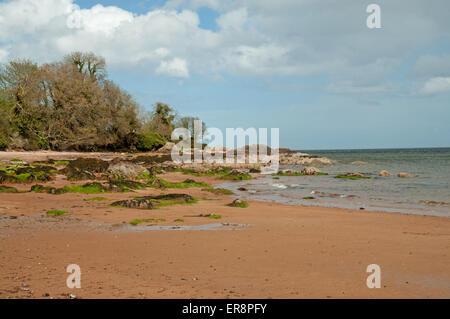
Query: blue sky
{"points": [[311, 68]]}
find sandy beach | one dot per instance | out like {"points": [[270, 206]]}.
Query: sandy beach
{"points": [[266, 250]]}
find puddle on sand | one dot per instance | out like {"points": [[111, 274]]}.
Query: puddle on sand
{"points": [[217, 226]]}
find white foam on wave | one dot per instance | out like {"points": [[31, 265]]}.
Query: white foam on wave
{"points": [[281, 186]]}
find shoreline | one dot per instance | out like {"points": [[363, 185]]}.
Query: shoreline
{"points": [[268, 250]]}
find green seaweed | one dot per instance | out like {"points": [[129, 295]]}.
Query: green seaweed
{"points": [[223, 191], [56, 212], [242, 204], [147, 220], [89, 188], [8, 189]]}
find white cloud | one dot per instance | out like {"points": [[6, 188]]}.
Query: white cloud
{"points": [[175, 67], [436, 85], [432, 65], [254, 37], [193, 4], [99, 19], [233, 20]]}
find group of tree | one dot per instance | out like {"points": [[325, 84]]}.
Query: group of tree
{"points": [[72, 105]]}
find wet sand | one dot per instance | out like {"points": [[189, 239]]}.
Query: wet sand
{"points": [[276, 251]]}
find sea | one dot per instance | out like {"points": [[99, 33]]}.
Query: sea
{"points": [[426, 193]]}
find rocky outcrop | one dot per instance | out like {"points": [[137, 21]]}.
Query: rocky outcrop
{"points": [[359, 163], [404, 175], [125, 170], [142, 203], [151, 202], [238, 203], [303, 159], [384, 173], [354, 175], [310, 170], [288, 171], [84, 168], [167, 148]]}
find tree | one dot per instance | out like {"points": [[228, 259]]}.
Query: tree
{"points": [[161, 120], [188, 122], [89, 64], [71, 105], [124, 122], [20, 85]]}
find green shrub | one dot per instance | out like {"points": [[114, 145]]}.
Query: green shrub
{"points": [[3, 143], [149, 141]]}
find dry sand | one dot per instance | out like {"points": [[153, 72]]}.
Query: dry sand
{"points": [[282, 252]]}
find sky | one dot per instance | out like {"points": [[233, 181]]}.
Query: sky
{"points": [[311, 68]]}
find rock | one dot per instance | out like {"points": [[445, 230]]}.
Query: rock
{"points": [[125, 170], [150, 202], [356, 174], [152, 160], [404, 175], [285, 150], [156, 183], [93, 165], [184, 197], [84, 168], [310, 170], [352, 175], [236, 202], [384, 173], [167, 148], [75, 174], [142, 203], [297, 158], [237, 172], [359, 163]]}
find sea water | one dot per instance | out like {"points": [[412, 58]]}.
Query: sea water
{"points": [[427, 193]]}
